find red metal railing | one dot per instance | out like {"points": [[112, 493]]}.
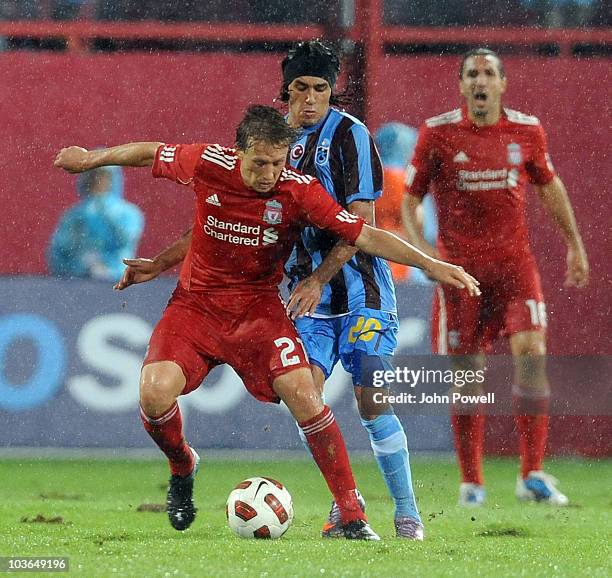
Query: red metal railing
{"points": [[566, 39], [206, 31], [368, 29], [78, 33], [368, 32]]}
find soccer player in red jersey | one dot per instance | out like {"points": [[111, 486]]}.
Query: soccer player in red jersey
{"points": [[477, 160], [226, 307]]}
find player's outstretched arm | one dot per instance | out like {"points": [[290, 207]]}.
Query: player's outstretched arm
{"points": [[76, 159], [307, 293], [388, 246], [555, 199], [143, 270], [412, 218]]}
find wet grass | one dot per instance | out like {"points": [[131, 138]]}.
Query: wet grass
{"points": [[92, 511]]}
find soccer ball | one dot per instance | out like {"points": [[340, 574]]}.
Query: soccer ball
{"points": [[259, 508]]}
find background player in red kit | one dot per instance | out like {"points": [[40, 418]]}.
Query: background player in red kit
{"points": [[226, 307], [478, 160]]}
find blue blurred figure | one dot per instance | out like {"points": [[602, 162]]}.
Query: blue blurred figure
{"points": [[396, 142], [94, 235]]}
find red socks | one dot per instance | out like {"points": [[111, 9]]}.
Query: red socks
{"points": [[531, 418], [167, 432], [329, 452], [469, 438]]}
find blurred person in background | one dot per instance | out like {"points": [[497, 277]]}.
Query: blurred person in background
{"points": [[477, 161], [396, 142], [96, 234]]}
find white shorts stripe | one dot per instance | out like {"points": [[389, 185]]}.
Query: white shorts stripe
{"points": [[442, 324]]}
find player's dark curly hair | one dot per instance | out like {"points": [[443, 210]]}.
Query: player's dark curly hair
{"points": [[481, 51], [313, 58], [264, 124]]}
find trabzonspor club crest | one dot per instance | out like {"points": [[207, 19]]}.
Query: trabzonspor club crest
{"points": [[273, 213], [322, 154]]}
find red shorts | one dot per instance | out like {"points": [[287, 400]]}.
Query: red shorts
{"points": [[511, 302], [252, 333]]}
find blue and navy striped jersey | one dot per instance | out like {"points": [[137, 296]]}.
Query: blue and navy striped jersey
{"points": [[340, 152]]}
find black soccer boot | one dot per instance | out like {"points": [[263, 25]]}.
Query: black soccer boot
{"points": [[179, 501]]}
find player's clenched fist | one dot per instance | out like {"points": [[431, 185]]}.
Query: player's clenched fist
{"points": [[577, 274], [72, 159], [453, 275]]}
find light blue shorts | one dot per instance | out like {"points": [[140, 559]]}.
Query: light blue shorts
{"points": [[367, 332]]}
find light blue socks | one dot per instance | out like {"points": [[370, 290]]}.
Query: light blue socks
{"points": [[390, 448]]}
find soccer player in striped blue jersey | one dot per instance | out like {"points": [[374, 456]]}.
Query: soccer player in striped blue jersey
{"points": [[343, 301]]}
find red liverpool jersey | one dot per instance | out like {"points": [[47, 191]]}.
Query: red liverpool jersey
{"points": [[242, 238], [478, 176]]}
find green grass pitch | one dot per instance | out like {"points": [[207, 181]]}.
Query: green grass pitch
{"points": [[87, 510]]}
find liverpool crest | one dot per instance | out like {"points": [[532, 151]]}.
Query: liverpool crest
{"points": [[515, 157], [273, 213]]}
